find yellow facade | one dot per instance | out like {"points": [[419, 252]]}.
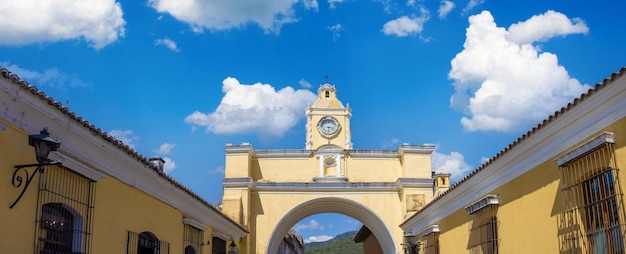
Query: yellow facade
{"points": [[102, 198], [525, 186], [270, 190]]}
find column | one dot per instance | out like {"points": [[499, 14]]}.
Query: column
{"points": [[321, 165], [338, 164]]}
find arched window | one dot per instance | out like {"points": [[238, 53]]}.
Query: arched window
{"points": [[190, 250], [148, 243], [57, 223]]}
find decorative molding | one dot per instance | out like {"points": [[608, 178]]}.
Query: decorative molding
{"points": [[415, 183], [586, 148], [419, 149], [76, 166], [283, 153], [482, 203], [430, 230], [373, 153], [241, 182], [195, 224]]}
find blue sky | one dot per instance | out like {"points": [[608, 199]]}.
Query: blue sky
{"points": [[182, 78]]}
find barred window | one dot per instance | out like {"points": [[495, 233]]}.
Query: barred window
{"points": [[193, 240], [146, 243], [483, 226], [427, 242], [594, 215], [65, 218], [218, 245]]}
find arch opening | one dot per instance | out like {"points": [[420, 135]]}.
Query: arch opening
{"points": [[334, 205]]}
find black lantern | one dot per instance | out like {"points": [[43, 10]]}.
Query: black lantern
{"points": [[232, 249], [43, 144]]}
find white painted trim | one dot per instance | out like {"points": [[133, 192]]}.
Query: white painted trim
{"points": [[76, 166], [482, 203], [430, 230], [195, 224], [585, 148]]}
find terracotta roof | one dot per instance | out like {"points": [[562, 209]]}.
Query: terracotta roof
{"points": [[15, 79], [531, 132]]}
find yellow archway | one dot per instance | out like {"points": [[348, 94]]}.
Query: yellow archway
{"points": [[335, 205]]}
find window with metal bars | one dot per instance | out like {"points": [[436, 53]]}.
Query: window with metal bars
{"points": [[146, 243], [218, 246], [429, 244], [483, 226], [593, 220], [65, 215], [193, 240]]}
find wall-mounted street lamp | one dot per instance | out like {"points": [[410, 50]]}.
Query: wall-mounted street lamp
{"points": [[233, 248], [43, 144]]}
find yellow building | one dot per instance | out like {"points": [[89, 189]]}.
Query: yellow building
{"points": [[556, 189], [93, 194], [269, 191]]}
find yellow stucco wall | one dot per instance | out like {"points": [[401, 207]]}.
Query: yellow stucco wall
{"points": [[18, 221], [529, 209], [119, 207]]}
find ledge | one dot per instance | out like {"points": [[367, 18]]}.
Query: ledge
{"points": [[482, 203], [586, 148]]}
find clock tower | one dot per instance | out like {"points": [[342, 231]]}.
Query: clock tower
{"points": [[328, 121]]}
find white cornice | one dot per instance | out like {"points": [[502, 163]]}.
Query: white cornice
{"points": [[76, 166], [585, 148], [195, 224], [590, 116]]}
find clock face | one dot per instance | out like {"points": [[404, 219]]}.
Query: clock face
{"points": [[328, 126]]}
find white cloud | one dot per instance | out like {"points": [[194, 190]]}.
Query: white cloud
{"points": [[471, 5], [332, 4], [125, 136], [26, 22], [390, 143], [218, 170], [170, 44], [453, 163], [169, 165], [318, 238], [165, 148], [221, 15], [336, 30], [305, 84], [445, 6], [545, 26], [51, 77], [507, 86], [256, 108], [312, 225], [404, 26], [310, 4]]}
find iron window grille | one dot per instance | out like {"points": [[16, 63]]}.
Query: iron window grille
{"points": [[65, 204], [193, 240], [593, 220], [146, 243], [483, 226]]}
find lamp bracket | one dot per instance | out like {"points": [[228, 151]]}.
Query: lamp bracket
{"points": [[18, 180]]}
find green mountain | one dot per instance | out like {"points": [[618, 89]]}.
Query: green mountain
{"points": [[341, 244]]}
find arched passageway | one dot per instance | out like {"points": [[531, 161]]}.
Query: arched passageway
{"points": [[334, 205]]}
